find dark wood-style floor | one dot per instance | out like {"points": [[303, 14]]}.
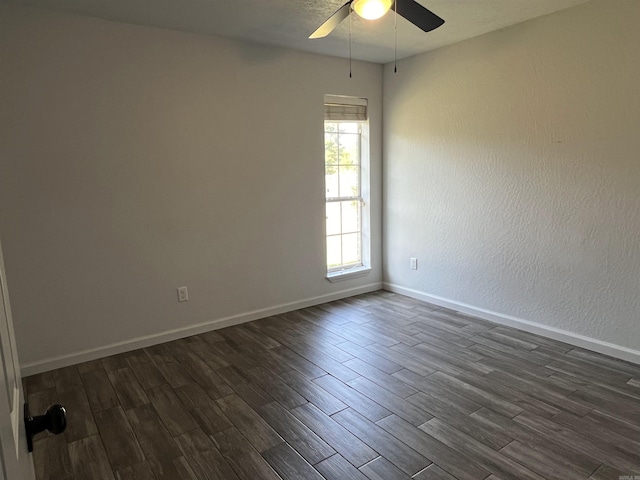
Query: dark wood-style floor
{"points": [[378, 387]]}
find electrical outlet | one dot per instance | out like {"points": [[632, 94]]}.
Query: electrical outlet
{"points": [[183, 294], [414, 263]]}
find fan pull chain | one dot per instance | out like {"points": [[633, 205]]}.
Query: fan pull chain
{"points": [[395, 37], [349, 45]]}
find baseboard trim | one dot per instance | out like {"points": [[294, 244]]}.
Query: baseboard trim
{"points": [[169, 335], [593, 344]]}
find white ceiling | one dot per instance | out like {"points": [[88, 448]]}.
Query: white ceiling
{"points": [[288, 23]]}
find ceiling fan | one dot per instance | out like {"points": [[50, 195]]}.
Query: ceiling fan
{"points": [[374, 9]]}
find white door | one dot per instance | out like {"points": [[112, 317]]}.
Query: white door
{"points": [[16, 462]]}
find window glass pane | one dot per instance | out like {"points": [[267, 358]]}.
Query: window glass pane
{"points": [[348, 146], [334, 251], [330, 148], [349, 181], [350, 248], [342, 179], [331, 182], [350, 216], [333, 218], [348, 127]]}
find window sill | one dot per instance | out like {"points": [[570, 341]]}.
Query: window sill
{"points": [[348, 274]]}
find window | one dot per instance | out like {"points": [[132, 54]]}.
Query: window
{"points": [[347, 186]]}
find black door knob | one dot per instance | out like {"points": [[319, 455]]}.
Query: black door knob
{"points": [[54, 420]]}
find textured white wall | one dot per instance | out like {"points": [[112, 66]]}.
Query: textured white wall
{"points": [[135, 160], [512, 171]]}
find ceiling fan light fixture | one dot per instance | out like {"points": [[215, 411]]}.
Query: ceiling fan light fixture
{"points": [[371, 9]]}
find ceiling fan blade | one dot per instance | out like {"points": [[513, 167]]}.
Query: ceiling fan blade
{"points": [[418, 15], [333, 21]]}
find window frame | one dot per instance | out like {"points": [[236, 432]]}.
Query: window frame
{"points": [[363, 267]]}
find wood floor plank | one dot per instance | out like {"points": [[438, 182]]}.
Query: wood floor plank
{"points": [[100, 393], [241, 456], [406, 459], [238, 355], [377, 386], [249, 423], [356, 400], [289, 464], [171, 411], [51, 459], [296, 362], [203, 457], [89, 460], [127, 388], [609, 392], [381, 378], [39, 382], [337, 468], [202, 374], [339, 438], [312, 448], [312, 392], [433, 472], [605, 472], [67, 379], [169, 367], [603, 453], [501, 361], [509, 340], [398, 405], [114, 362], [144, 369], [203, 409], [250, 330], [252, 394], [325, 362], [589, 371], [391, 328], [547, 464], [398, 354], [626, 409], [599, 359], [460, 420], [585, 427], [120, 443], [493, 461], [205, 348], [307, 339], [156, 442], [441, 331], [140, 471], [383, 469], [176, 469], [370, 357], [537, 339], [527, 399], [277, 389], [478, 395], [441, 360], [436, 390], [614, 424], [433, 449], [534, 440]]}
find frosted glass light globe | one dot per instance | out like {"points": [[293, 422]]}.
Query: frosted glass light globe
{"points": [[371, 9]]}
